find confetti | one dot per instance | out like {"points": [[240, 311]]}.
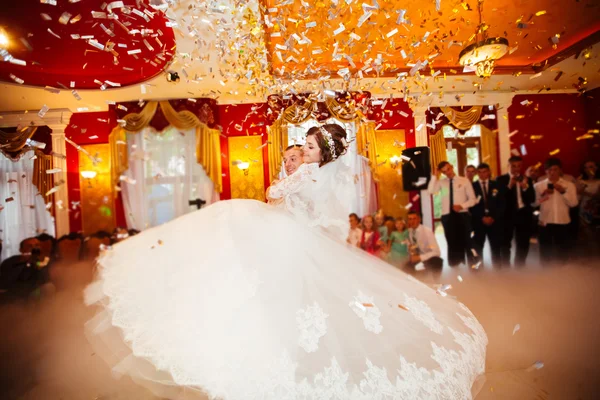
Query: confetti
{"points": [[53, 171], [8, 199], [513, 133], [460, 279], [516, 328], [43, 111], [16, 79], [536, 365], [554, 152]]}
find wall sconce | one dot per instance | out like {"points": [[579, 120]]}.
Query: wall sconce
{"points": [[244, 166], [394, 161], [89, 175]]}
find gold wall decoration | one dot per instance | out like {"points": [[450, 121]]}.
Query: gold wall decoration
{"points": [[97, 196], [249, 184], [392, 197]]}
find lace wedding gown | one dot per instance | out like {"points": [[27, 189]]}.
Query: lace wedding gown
{"points": [[246, 301]]}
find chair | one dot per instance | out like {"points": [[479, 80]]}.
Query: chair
{"points": [[47, 246], [93, 243], [70, 247]]}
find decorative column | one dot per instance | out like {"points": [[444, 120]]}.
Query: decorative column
{"points": [[503, 134], [61, 197], [422, 139]]}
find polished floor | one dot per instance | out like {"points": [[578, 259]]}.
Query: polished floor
{"points": [[44, 354]]}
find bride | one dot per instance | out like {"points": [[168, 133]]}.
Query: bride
{"points": [[246, 301]]}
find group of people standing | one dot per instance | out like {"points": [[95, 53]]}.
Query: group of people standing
{"points": [[514, 206], [399, 242]]}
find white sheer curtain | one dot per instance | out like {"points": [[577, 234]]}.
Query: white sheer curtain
{"points": [[366, 194], [25, 215], [162, 178]]}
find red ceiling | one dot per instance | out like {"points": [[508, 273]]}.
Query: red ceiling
{"points": [[57, 62], [430, 34]]}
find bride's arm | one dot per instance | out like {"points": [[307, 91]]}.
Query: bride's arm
{"points": [[293, 183]]}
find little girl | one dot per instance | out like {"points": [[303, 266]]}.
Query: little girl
{"points": [[397, 244], [370, 239]]}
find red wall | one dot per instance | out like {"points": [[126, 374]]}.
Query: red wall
{"points": [[81, 127], [559, 119], [242, 120]]}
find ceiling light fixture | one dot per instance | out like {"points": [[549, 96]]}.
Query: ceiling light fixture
{"points": [[3, 38], [485, 51]]}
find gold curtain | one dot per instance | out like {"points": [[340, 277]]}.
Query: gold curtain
{"points": [[12, 142], [366, 143], [41, 178], [297, 114], [489, 147], [463, 119], [208, 145], [437, 146], [278, 142]]}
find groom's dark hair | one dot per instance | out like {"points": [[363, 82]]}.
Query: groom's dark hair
{"points": [[294, 146]]}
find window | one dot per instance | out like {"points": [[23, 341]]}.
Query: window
{"points": [[297, 133], [461, 150], [167, 175]]}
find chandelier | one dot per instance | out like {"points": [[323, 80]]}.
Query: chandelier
{"points": [[485, 51]]}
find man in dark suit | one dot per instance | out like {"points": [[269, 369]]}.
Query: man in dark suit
{"points": [[487, 214], [518, 195]]}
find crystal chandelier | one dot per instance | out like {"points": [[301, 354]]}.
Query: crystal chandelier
{"points": [[485, 51]]}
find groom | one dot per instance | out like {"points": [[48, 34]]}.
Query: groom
{"points": [[292, 160]]}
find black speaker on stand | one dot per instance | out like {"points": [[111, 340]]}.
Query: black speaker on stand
{"points": [[416, 168]]}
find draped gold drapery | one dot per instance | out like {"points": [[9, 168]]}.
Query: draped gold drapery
{"points": [[489, 148], [208, 145], [366, 143], [278, 142], [12, 142], [463, 119], [437, 147], [299, 113], [41, 178]]}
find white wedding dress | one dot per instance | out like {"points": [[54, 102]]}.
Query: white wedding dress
{"points": [[247, 301]]}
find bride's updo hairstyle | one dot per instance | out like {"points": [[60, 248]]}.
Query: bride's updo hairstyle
{"points": [[331, 139]]}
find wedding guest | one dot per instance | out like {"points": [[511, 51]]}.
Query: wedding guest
{"points": [[470, 172], [380, 225], [487, 213], [423, 246], [355, 234], [457, 197], [398, 243], [588, 190], [533, 172], [518, 197], [554, 195], [370, 239]]}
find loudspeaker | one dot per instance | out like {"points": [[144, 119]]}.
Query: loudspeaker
{"points": [[416, 168]]}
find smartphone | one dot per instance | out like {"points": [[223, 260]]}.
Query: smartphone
{"points": [[551, 186], [520, 178]]}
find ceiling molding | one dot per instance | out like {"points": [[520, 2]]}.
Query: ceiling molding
{"points": [[57, 117], [570, 51]]}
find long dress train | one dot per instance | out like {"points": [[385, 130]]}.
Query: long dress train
{"points": [[245, 301]]}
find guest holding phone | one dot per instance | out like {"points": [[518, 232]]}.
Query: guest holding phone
{"points": [[554, 195]]}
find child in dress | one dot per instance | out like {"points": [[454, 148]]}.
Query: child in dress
{"points": [[370, 239], [397, 244], [355, 234]]}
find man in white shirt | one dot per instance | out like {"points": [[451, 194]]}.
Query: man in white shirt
{"points": [[457, 198], [424, 247], [355, 233], [555, 195]]}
